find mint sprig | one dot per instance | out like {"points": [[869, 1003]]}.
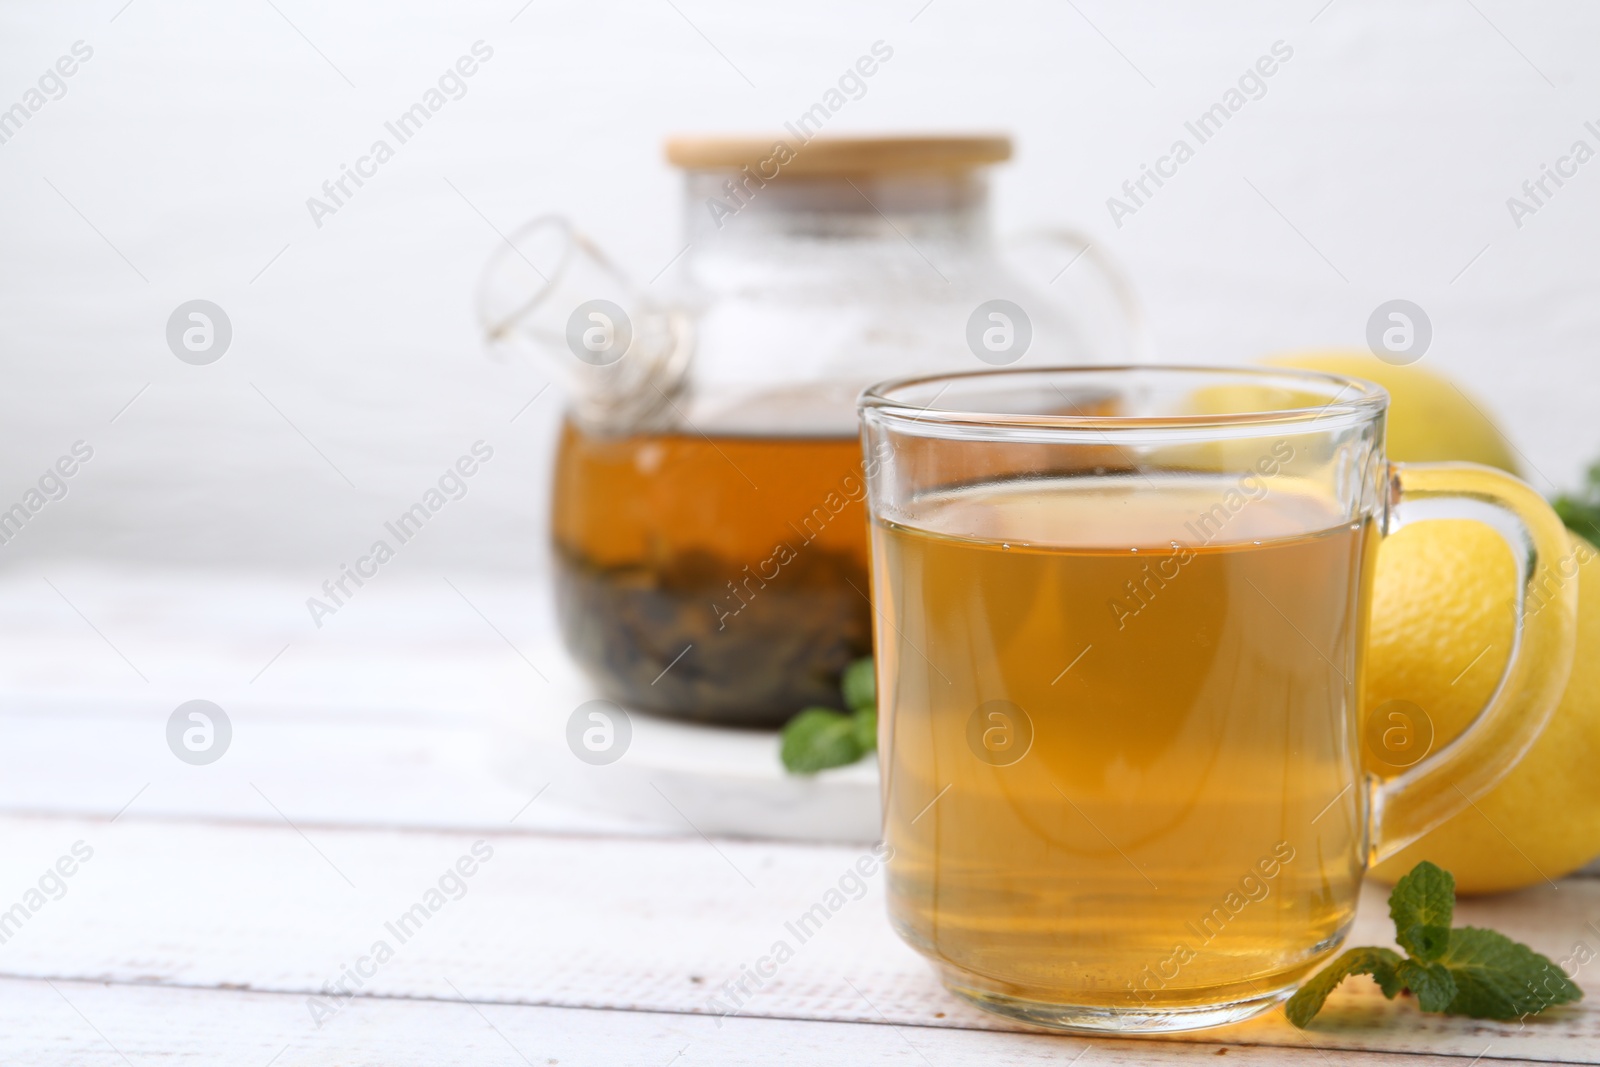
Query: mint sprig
{"points": [[1462, 971], [819, 738]]}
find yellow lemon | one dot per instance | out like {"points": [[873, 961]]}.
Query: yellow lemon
{"points": [[1430, 418], [1440, 636]]}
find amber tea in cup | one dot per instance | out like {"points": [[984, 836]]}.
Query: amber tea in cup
{"points": [[1119, 678]]}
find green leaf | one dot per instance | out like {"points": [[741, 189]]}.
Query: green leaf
{"points": [[1498, 978], [1381, 963], [1465, 971], [1425, 943], [866, 723], [1580, 517], [1431, 982], [1422, 905], [819, 738], [1581, 510], [860, 685]]}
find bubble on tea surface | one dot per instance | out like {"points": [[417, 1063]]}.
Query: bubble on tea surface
{"points": [[599, 732], [999, 733]]}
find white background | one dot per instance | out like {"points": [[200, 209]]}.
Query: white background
{"points": [[1381, 159]]}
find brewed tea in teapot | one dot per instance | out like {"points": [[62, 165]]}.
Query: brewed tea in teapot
{"points": [[709, 531]]}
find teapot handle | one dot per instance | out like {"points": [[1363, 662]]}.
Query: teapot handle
{"points": [[1076, 245]]}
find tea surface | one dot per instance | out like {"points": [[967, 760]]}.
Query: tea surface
{"points": [[1119, 735]]}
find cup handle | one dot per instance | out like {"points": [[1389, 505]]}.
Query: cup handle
{"points": [[1407, 806], [1078, 245]]}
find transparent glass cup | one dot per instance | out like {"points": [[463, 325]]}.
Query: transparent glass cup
{"points": [[1120, 617]]}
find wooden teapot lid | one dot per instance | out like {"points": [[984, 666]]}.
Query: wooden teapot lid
{"points": [[837, 155]]}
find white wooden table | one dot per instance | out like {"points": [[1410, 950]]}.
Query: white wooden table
{"points": [[221, 903]]}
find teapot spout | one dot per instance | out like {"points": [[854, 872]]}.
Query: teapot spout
{"points": [[550, 294]]}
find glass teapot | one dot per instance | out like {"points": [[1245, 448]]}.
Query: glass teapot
{"points": [[710, 540]]}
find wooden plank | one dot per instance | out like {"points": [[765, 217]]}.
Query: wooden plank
{"points": [[399, 711], [401, 770], [427, 703], [83, 1024], [629, 923]]}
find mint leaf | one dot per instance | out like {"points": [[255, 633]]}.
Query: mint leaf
{"points": [[860, 685], [1581, 510], [1431, 982], [819, 738], [1498, 978], [1382, 963], [1465, 971], [1422, 905], [866, 724], [1580, 517]]}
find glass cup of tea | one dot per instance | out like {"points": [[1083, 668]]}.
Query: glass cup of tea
{"points": [[1120, 617]]}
